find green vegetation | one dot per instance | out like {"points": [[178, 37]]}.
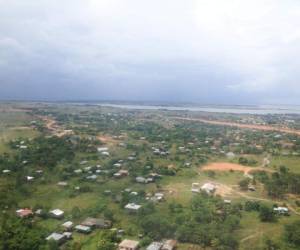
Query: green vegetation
{"points": [[92, 161]]}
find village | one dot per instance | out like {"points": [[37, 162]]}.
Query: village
{"points": [[92, 177]]}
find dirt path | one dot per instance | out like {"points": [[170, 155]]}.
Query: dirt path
{"points": [[54, 128], [249, 197], [251, 237], [240, 125]]}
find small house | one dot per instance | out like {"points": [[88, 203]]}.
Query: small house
{"points": [[67, 225], [128, 245], [195, 187], [132, 207], [57, 213], [155, 246], [83, 229], [140, 179], [169, 245], [57, 237], [24, 213], [96, 223], [281, 210], [102, 149], [208, 188]]}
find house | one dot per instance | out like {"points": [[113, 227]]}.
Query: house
{"points": [[281, 210], [57, 213], [132, 207], [78, 171], [62, 184], [159, 196], [23, 213], [128, 245], [140, 179], [169, 245], [251, 188], [29, 178], [68, 235], [230, 155], [124, 172], [96, 223], [121, 173], [208, 188], [155, 246], [105, 153], [6, 171], [59, 238], [83, 229], [67, 225], [102, 149], [195, 187], [91, 177]]}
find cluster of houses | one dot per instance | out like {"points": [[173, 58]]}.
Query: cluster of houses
{"points": [[134, 245], [87, 226]]}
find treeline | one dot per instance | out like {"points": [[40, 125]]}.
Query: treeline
{"points": [[280, 183]]}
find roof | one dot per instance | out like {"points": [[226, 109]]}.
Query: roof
{"points": [[169, 245], [133, 206], [68, 224], [55, 236], [129, 244], [57, 212], [155, 246], [24, 212], [83, 228], [208, 187], [90, 222]]}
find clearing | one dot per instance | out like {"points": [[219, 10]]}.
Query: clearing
{"points": [[225, 166]]}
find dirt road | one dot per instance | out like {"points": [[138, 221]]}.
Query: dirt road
{"points": [[240, 125]]}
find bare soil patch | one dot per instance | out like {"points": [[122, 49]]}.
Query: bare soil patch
{"points": [[106, 139], [225, 166]]}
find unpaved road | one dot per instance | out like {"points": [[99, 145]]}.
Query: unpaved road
{"points": [[240, 125]]}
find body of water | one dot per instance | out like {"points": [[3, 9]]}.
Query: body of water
{"points": [[258, 110]]}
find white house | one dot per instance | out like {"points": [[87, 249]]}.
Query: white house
{"points": [[208, 188], [57, 213]]}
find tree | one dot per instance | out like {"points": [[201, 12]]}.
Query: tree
{"points": [[20, 234], [106, 241], [244, 184], [266, 214]]}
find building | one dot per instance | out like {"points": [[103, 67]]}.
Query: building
{"points": [[102, 149], [195, 187], [128, 245], [208, 188], [169, 245], [132, 207], [57, 213], [24, 213], [155, 246], [83, 229], [96, 223], [68, 225], [140, 179], [59, 238], [281, 210]]}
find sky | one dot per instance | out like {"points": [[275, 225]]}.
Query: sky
{"points": [[203, 51]]}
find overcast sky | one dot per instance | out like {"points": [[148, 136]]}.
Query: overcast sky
{"points": [[206, 51]]}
